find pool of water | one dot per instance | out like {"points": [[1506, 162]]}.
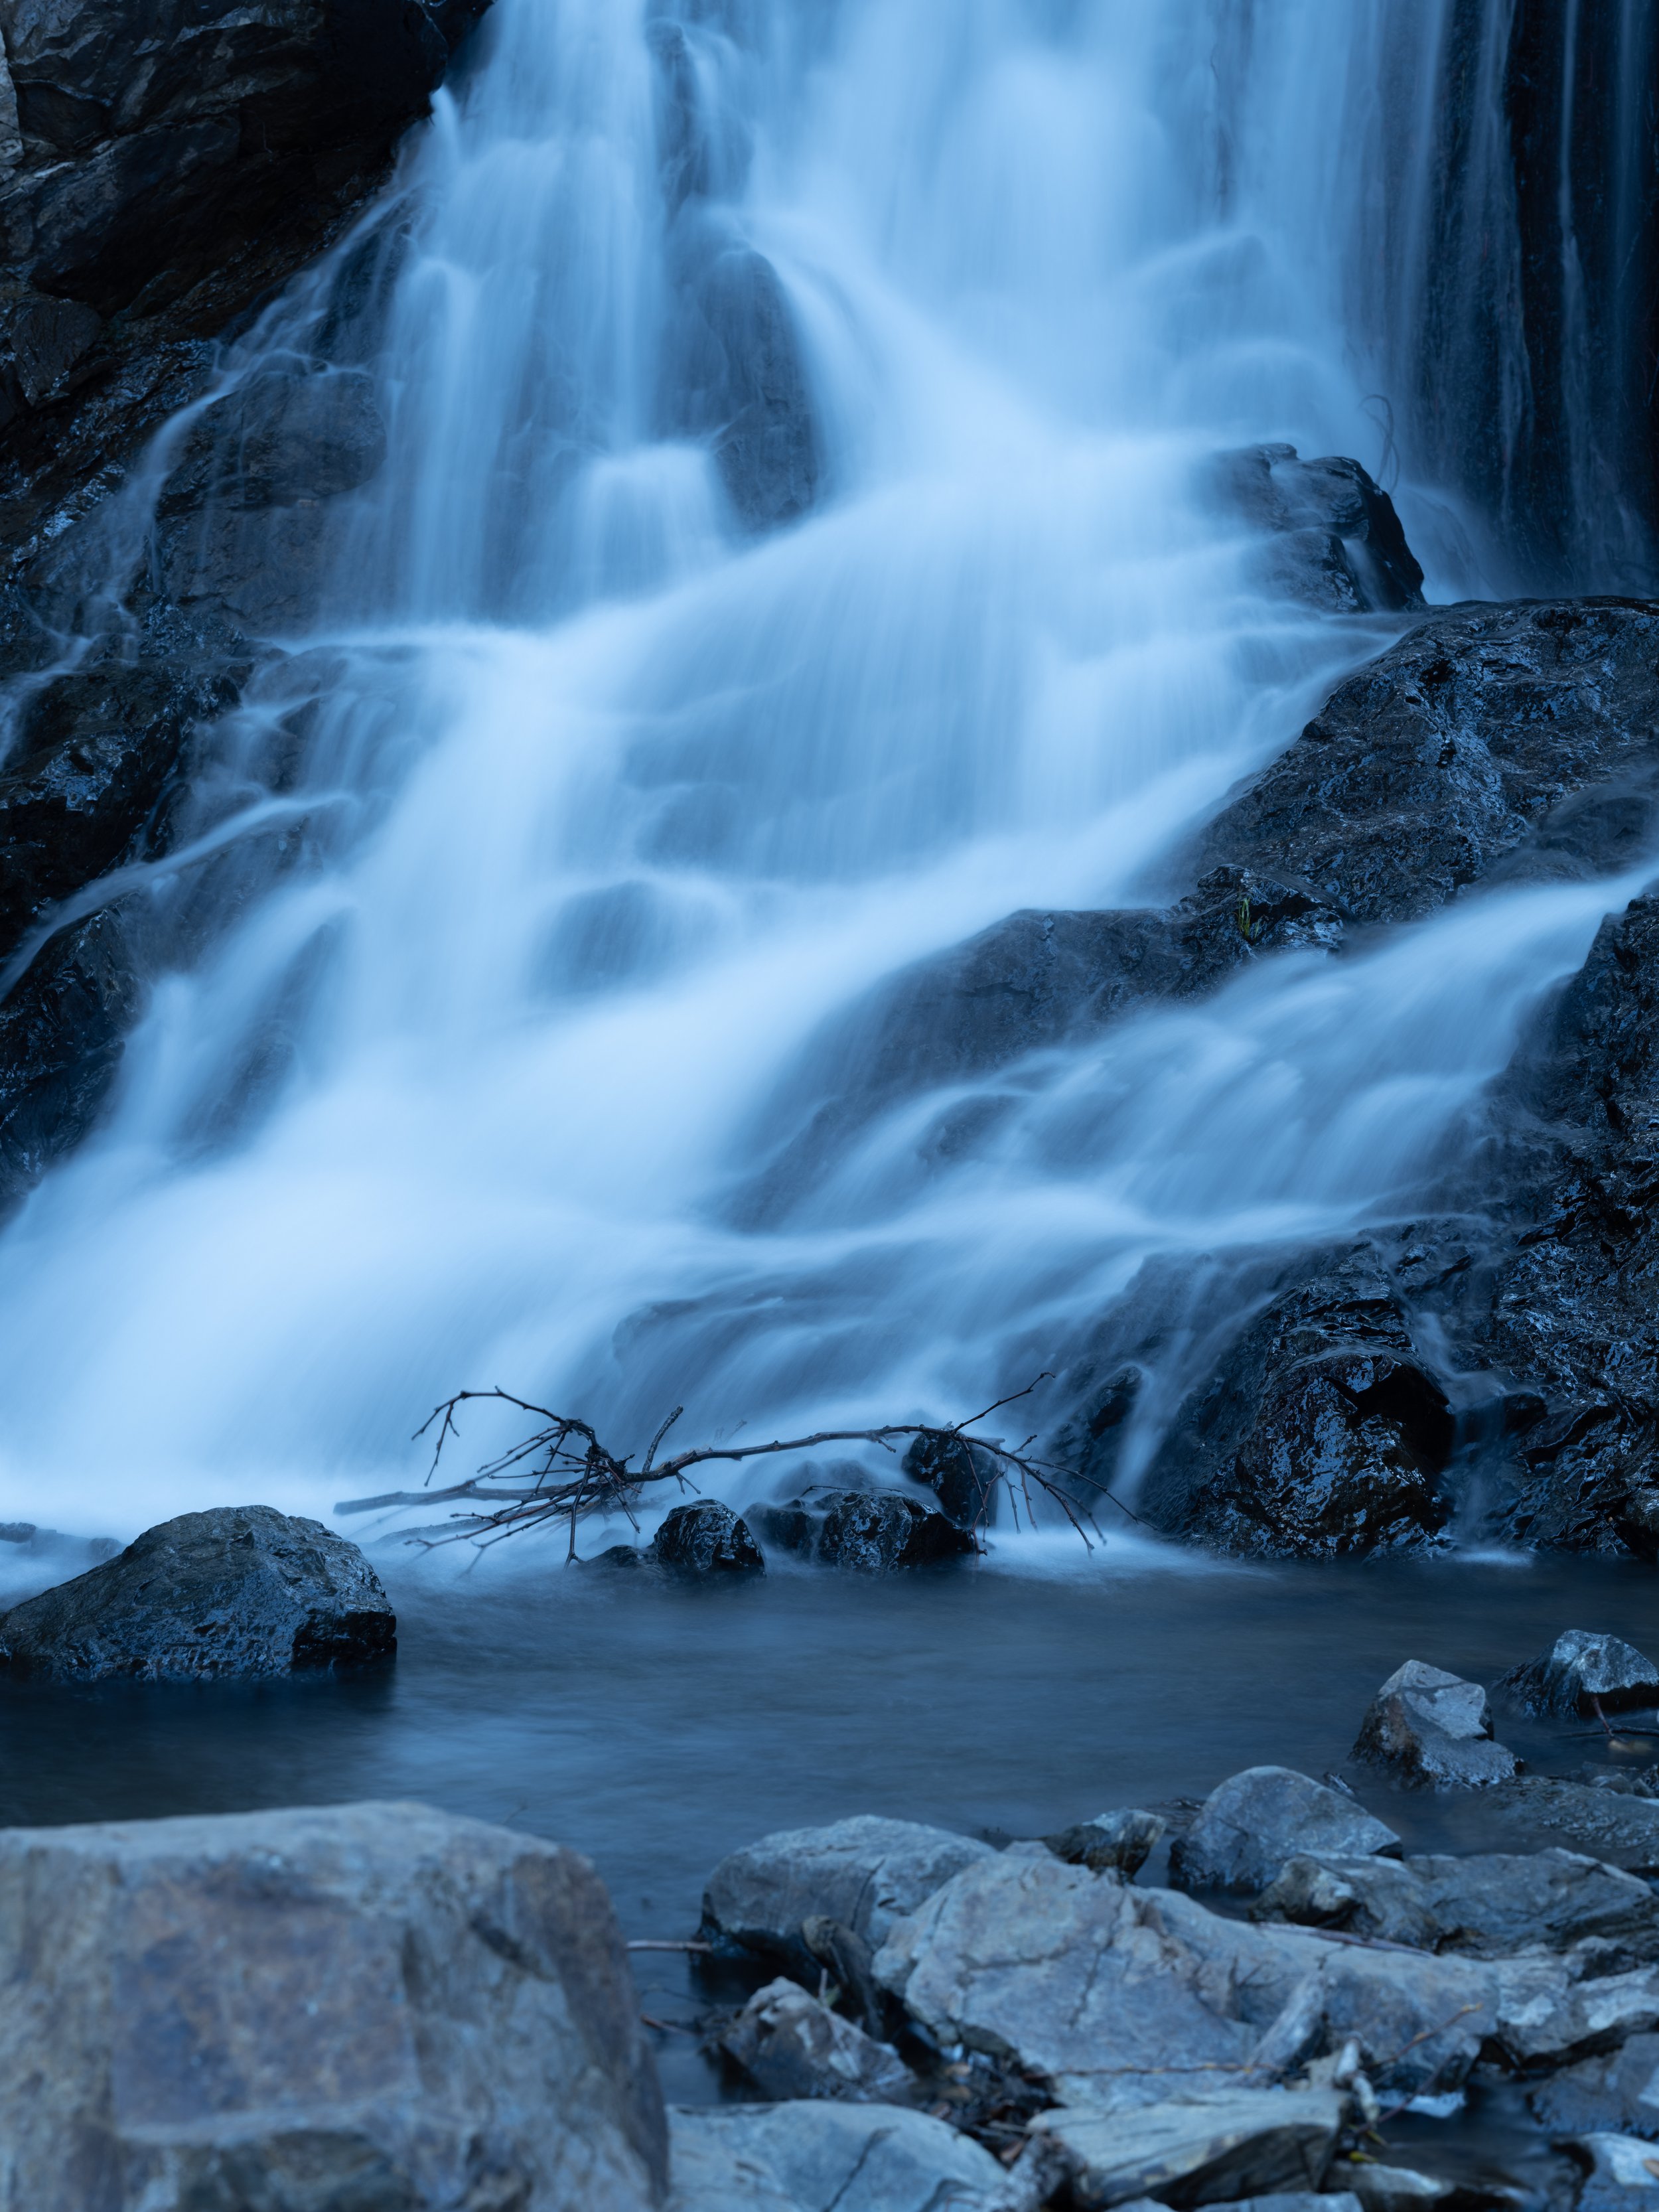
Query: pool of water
{"points": [[658, 1728]]}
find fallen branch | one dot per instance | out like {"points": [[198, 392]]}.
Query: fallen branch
{"points": [[562, 1470]]}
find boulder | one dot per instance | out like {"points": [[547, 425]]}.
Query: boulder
{"points": [[1122, 1841], [813, 2157], [1336, 540], [1616, 2093], [706, 1539], [961, 1475], [1488, 1905], [1251, 1824], [789, 2045], [1212, 2152], [863, 1532], [1581, 1673], [240, 1590], [864, 1873], [370, 2005], [1378, 2188], [1434, 1731]]}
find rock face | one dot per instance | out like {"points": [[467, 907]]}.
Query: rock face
{"points": [[1434, 1730], [791, 2046], [1251, 1824], [864, 1874], [1323, 1433], [1583, 1673], [805, 2157], [240, 1590], [371, 2005], [863, 1532]]}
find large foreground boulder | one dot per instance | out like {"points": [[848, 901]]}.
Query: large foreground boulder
{"points": [[374, 2006], [239, 1590]]}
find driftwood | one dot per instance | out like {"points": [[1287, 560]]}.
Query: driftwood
{"points": [[562, 1472]]}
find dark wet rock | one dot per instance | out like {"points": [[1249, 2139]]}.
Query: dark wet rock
{"points": [[848, 1960], [1583, 1673], [280, 438], [1338, 543], [1434, 1731], [863, 1532], [373, 2006], [240, 1590], [63, 1031], [790, 2044], [961, 1475], [1252, 1823], [1250, 2143], [1120, 1841], [1488, 1905], [810, 2155], [94, 757], [1320, 1432], [1617, 2094], [864, 1873], [737, 377], [706, 1539]]}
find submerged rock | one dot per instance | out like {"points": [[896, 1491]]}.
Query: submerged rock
{"points": [[371, 2005], [1583, 1673], [1250, 1824], [240, 1590], [864, 1532], [705, 1539], [864, 1873], [1434, 1731], [814, 2156], [789, 2045], [1121, 1842]]}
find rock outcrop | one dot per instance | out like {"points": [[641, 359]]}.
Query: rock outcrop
{"points": [[240, 1590], [372, 2005]]}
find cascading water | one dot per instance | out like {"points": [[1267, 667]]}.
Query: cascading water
{"points": [[675, 688]]}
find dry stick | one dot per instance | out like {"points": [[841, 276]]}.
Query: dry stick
{"points": [[574, 1475]]}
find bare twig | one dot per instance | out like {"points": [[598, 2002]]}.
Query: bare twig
{"points": [[562, 1470]]}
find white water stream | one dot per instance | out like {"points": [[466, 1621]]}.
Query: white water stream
{"points": [[611, 805]]}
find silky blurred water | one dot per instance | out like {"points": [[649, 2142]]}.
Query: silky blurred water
{"points": [[606, 805]]}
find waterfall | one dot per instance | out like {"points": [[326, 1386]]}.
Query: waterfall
{"points": [[792, 555]]}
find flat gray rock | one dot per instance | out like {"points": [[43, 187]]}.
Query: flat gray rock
{"points": [[1259, 2143], [373, 2005], [809, 2157], [1581, 1672], [791, 2046], [1606, 1823], [1255, 1821], [241, 1590], [866, 1873], [1433, 1731]]}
